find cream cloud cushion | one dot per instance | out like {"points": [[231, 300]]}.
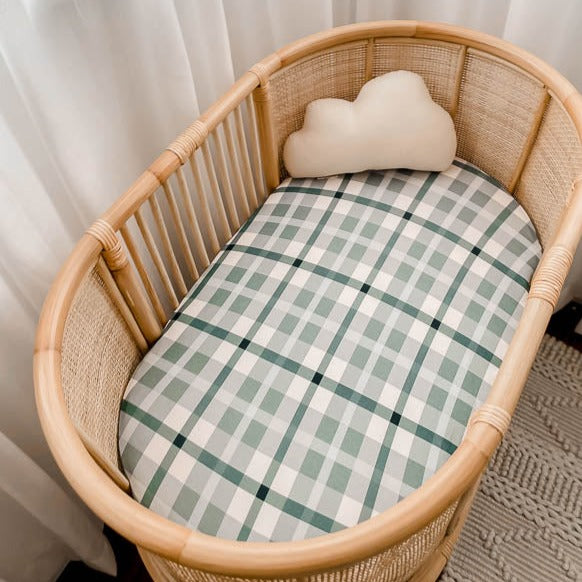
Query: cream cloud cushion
{"points": [[393, 123]]}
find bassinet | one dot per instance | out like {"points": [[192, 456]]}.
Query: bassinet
{"points": [[515, 117]]}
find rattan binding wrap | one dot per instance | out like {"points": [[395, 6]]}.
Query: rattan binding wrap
{"points": [[549, 277], [495, 416]]}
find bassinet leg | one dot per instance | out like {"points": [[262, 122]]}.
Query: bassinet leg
{"points": [[432, 568]]}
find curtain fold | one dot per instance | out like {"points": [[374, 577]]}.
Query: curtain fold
{"points": [[91, 93], [74, 535]]}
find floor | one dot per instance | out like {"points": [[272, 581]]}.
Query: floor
{"points": [[130, 568], [129, 565]]}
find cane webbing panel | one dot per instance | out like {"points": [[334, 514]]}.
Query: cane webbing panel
{"points": [[498, 106], [98, 357], [436, 62], [338, 72], [554, 164]]}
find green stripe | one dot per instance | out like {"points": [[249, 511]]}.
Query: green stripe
{"points": [[382, 459], [230, 473], [422, 222], [300, 411], [477, 172], [382, 296], [339, 389]]}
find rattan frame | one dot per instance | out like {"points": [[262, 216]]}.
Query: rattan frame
{"points": [[137, 306]]}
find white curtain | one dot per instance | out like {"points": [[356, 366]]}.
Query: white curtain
{"points": [[90, 93]]}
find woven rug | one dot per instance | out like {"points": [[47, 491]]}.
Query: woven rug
{"points": [[526, 522]]}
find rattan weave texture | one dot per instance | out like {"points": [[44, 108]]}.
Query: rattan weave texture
{"points": [[436, 62], [99, 355], [338, 72], [553, 164], [497, 108]]}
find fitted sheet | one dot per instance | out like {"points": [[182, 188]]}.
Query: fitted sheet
{"points": [[327, 362]]}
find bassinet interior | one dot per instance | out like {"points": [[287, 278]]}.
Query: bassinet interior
{"points": [[516, 119], [327, 362]]}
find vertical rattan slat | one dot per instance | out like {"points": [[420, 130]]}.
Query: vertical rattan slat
{"points": [[239, 188], [192, 219], [255, 152], [225, 181], [337, 72], [251, 192], [436, 62], [554, 163], [156, 257], [497, 109], [270, 154], [167, 245], [116, 296], [144, 276], [181, 231], [525, 152], [215, 189], [204, 206], [126, 283]]}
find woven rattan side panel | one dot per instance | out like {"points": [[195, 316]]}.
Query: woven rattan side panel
{"points": [[553, 164], [497, 111], [396, 564], [98, 357], [338, 72], [438, 63]]}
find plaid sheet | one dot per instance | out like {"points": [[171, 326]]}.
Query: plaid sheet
{"points": [[327, 362]]}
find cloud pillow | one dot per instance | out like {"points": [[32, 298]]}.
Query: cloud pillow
{"points": [[393, 123]]}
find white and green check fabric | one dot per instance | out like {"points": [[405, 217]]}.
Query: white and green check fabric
{"points": [[327, 362]]}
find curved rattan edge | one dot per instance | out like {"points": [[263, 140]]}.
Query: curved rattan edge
{"points": [[193, 549]]}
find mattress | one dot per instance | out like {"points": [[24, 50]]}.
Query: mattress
{"points": [[327, 362]]}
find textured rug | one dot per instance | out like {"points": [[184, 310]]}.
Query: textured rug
{"points": [[526, 522]]}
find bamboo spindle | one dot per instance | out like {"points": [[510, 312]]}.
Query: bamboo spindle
{"points": [[167, 245], [225, 181], [144, 276], [156, 257], [255, 150], [203, 201], [268, 143], [240, 194], [215, 189], [192, 220], [183, 239], [246, 163]]}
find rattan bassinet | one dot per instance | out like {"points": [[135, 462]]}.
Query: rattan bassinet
{"points": [[515, 117]]}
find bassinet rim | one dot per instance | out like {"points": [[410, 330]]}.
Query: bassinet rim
{"points": [[329, 551]]}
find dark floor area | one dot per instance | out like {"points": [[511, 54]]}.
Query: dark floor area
{"points": [[129, 564], [130, 568], [563, 324]]}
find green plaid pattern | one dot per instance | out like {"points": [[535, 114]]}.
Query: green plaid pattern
{"points": [[327, 362]]}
